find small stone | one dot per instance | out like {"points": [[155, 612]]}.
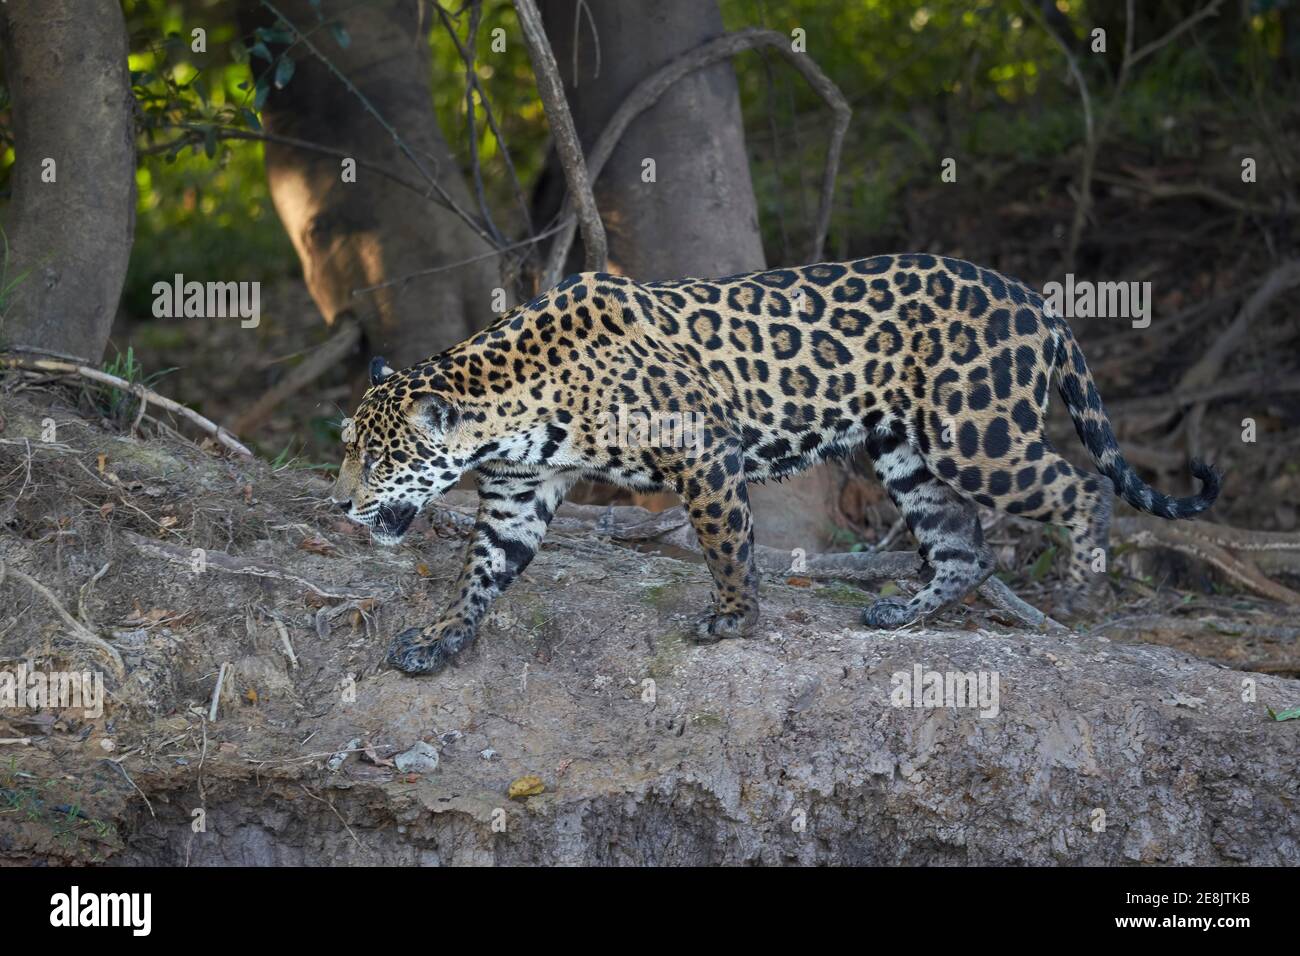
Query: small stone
{"points": [[487, 754], [529, 786], [421, 758]]}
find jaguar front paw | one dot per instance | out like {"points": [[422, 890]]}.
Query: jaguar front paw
{"points": [[886, 614], [428, 650], [719, 626]]}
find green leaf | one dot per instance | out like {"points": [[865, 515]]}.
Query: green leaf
{"points": [[273, 35], [259, 49], [341, 35], [263, 91], [210, 141], [1043, 564], [283, 72], [251, 119], [1292, 713]]}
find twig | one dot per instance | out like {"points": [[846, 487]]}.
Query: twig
{"points": [[196, 134], [327, 356], [144, 394], [1284, 277], [143, 797], [1209, 10], [1206, 550], [387, 127], [563, 224], [216, 692], [1191, 191], [78, 630], [567, 145], [330, 804], [473, 86], [1095, 128], [21, 741], [646, 93], [288, 645], [221, 561], [85, 593]]}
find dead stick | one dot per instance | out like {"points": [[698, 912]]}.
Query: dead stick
{"points": [[338, 347], [145, 394], [567, 145], [216, 692], [1239, 570], [672, 527], [78, 630]]}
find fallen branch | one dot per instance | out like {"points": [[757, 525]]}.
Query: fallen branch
{"points": [[646, 93], [144, 394], [1281, 279], [330, 353], [1209, 194], [672, 527], [1250, 383], [567, 145], [77, 630], [1206, 549], [220, 561]]}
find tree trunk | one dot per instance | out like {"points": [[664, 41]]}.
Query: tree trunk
{"points": [[71, 220], [352, 235], [694, 212]]}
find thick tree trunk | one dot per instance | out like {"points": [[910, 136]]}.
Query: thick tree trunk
{"points": [[353, 235], [70, 223], [694, 212]]}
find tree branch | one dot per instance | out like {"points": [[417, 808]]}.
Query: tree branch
{"points": [[144, 394], [647, 93], [551, 89]]}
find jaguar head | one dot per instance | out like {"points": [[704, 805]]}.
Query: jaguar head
{"points": [[400, 451]]}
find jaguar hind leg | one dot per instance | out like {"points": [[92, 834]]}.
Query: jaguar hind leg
{"points": [[945, 525], [717, 502]]}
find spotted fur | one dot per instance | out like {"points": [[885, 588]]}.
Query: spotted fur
{"points": [[939, 368]]}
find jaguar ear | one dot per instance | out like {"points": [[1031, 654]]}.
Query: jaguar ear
{"points": [[379, 370], [441, 414]]}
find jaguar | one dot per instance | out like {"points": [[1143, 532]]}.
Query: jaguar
{"points": [[939, 369]]}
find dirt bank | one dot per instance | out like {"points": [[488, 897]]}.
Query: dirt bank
{"points": [[645, 748]]}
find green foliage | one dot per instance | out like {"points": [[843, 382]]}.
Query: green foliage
{"points": [[977, 80], [192, 181], [120, 406]]}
